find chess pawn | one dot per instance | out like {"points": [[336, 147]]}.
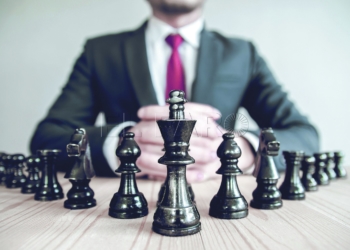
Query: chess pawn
{"points": [[320, 164], [308, 168], [266, 195], [33, 180], [228, 203], [339, 169], [329, 166], [128, 202], [49, 188], [176, 214], [291, 188], [80, 196], [16, 178], [3, 173]]}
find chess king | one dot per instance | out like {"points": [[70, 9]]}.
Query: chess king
{"points": [[176, 214]]}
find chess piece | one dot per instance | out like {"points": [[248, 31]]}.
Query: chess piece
{"points": [[329, 169], [228, 203], [308, 168], [33, 180], [128, 202], [16, 177], [320, 164], [7, 164], [3, 169], [176, 214], [291, 188], [49, 188], [80, 196], [162, 189], [339, 169], [266, 195]]}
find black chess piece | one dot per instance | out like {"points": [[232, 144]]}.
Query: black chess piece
{"points": [[329, 169], [162, 189], [49, 188], [308, 168], [33, 180], [80, 196], [7, 164], [228, 203], [320, 164], [338, 168], [16, 177], [3, 173], [266, 195], [292, 188], [176, 214], [128, 202]]}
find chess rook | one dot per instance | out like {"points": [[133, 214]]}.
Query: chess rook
{"points": [[266, 195], [16, 177], [33, 180], [228, 203], [320, 164], [128, 202], [176, 214], [308, 168], [80, 196], [338, 168], [292, 188], [49, 188], [329, 170]]}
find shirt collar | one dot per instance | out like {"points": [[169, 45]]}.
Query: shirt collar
{"points": [[159, 30]]}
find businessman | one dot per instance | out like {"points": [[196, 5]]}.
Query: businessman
{"points": [[128, 75]]}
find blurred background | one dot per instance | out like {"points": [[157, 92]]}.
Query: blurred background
{"points": [[305, 42]]}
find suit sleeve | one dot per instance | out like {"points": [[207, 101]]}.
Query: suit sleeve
{"points": [[269, 106], [76, 107]]}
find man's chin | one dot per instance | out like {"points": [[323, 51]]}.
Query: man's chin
{"points": [[176, 9]]}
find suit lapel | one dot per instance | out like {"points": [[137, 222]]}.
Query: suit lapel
{"points": [[137, 65], [208, 59]]}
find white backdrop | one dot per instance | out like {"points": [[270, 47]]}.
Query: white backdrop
{"points": [[305, 42]]}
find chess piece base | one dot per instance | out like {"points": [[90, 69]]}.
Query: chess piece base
{"points": [[128, 206], [48, 197], [321, 178], [311, 188], [293, 196], [341, 173], [176, 231], [28, 190], [30, 187], [82, 205], [259, 205], [15, 182], [229, 215], [235, 208]]}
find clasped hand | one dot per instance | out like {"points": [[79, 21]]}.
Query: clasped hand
{"points": [[205, 140]]}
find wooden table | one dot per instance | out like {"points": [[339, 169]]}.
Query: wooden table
{"points": [[322, 221]]}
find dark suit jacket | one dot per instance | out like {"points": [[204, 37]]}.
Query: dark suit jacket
{"points": [[112, 76]]}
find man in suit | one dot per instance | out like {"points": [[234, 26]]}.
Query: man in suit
{"points": [[128, 75]]}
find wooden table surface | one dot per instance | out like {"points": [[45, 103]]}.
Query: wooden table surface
{"points": [[321, 221]]}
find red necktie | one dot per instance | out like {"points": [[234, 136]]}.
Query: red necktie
{"points": [[175, 78]]}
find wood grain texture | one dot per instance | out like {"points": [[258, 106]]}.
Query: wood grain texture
{"points": [[322, 221]]}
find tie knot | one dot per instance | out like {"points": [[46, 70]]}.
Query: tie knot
{"points": [[174, 40]]}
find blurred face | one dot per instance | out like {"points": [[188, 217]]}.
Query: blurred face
{"points": [[176, 6]]}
